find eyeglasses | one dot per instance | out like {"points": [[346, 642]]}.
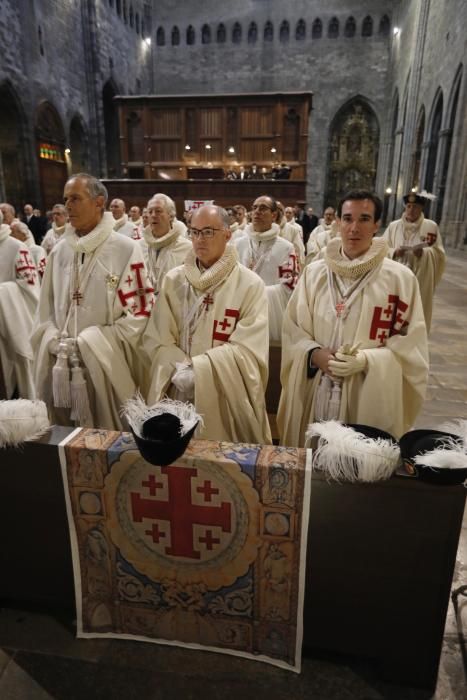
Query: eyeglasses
{"points": [[203, 232], [261, 208]]}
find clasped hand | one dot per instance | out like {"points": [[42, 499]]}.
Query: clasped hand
{"points": [[348, 361]]}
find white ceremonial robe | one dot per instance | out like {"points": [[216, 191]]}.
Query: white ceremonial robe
{"points": [[229, 351], [126, 227], [163, 254], [52, 237], [429, 267], [138, 227], [19, 296], [238, 230], [111, 315], [295, 236], [274, 260], [387, 319], [318, 240]]}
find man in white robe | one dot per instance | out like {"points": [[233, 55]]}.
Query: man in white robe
{"points": [[208, 339], [53, 235], [264, 251], [137, 221], [416, 242], [290, 216], [292, 234], [164, 241], [95, 303], [354, 337], [19, 296], [21, 232], [121, 222], [238, 226]]}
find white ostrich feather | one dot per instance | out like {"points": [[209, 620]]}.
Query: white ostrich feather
{"points": [[138, 412], [427, 195], [21, 420], [341, 449], [449, 455], [456, 427]]}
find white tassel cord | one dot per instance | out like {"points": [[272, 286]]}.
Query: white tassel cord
{"points": [[138, 412], [21, 420], [61, 378], [80, 409], [346, 454]]}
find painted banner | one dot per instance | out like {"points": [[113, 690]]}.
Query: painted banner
{"points": [[207, 553]]}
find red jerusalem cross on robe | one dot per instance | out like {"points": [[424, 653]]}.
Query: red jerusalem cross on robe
{"points": [[289, 272], [389, 321], [431, 238], [25, 268], [227, 326], [179, 514], [138, 293]]}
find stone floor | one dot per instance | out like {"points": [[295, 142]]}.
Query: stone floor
{"points": [[40, 659]]}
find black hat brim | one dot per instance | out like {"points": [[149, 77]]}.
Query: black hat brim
{"points": [[418, 442], [161, 453]]}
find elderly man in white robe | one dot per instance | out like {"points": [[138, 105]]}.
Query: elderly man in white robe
{"points": [[208, 339], [21, 232], [95, 303], [238, 226], [121, 222], [292, 234], [19, 296], [53, 235], [354, 337], [136, 220], [322, 234], [416, 242], [164, 241], [263, 250]]}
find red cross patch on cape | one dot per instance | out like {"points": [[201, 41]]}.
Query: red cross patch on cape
{"points": [[289, 272], [389, 321], [25, 268], [431, 238], [139, 297], [41, 267], [223, 329]]}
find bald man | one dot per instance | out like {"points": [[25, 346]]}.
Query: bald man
{"points": [[122, 224]]}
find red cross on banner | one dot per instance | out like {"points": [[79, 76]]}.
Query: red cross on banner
{"points": [[227, 325], [289, 272], [180, 513], [25, 268], [393, 323], [431, 238], [137, 294]]}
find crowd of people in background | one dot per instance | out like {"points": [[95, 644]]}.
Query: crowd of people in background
{"points": [[112, 302]]}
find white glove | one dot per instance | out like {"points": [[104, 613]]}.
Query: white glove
{"points": [[184, 377], [347, 365]]}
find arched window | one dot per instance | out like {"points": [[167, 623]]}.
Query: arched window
{"points": [[417, 153], [39, 36], [125, 16], [221, 34], [300, 31], [237, 33], [367, 26], [350, 28], [111, 3], [384, 26], [132, 17], [190, 35], [252, 33], [205, 34], [137, 22], [160, 36], [434, 143], [175, 36], [119, 7], [317, 29], [268, 31], [284, 31], [333, 28]]}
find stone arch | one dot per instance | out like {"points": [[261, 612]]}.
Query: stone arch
{"points": [[434, 128], [78, 142], [268, 34], [300, 30], [352, 149], [367, 26], [160, 36], [51, 142], [111, 128], [205, 34], [237, 33], [350, 27], [13, 155], [317, 29], [451, 114], [190, 35], [333, 28], [221, 34], [284, 31], [252, 33], [384, 26], [175, 36]]}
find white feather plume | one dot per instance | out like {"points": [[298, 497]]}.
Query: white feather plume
{"points": [[448, 455], [346, 454], [427, 195], [22, 420], [138, 412], [456, 427]]}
